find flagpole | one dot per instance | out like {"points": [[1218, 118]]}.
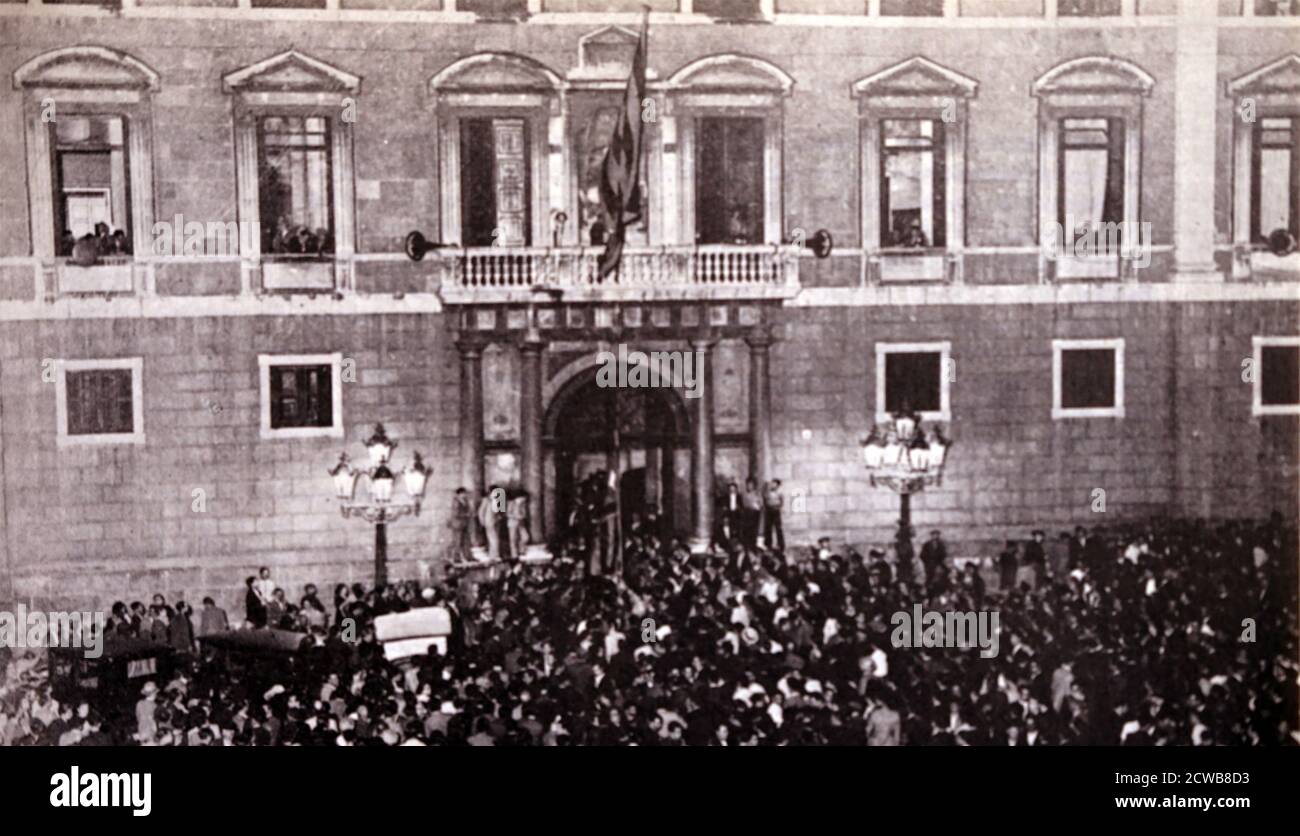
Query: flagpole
{"points": [[618, 492]]}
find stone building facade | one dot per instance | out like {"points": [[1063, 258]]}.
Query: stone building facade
{"points": [[482, 355]]}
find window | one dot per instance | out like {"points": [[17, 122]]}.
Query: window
{"points": [[911, 8], [913, 146], [720, 152], [495, 9], [293, 154], [495, 192], [1090, 169], [729, 191], [293, 186], [1266, 170], [1274, 178], [1277, 376], [89, 139], [1275, 8], [1089, 8], [301, 395], [1088, 378], [99, 402], [912, 183], [913, 377], [730, 9], [92, 191], [591, 139], [502, 159], [1091, 174], [288, 4]]}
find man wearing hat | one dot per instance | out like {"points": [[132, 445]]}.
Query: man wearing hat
{"points": [[489, 517], [1007, 564], [1034, 554], [462, 522], [934, 554]]}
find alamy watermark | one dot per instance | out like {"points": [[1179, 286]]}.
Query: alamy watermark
{"points": [[1076, 238], [181, 237], [648, 369], [25, 628], [921, 628]]}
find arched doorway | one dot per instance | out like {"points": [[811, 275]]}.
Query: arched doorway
{"points": [[641, 433]]}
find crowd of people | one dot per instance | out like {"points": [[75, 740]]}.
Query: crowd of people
{"points": [[1170, 633]]}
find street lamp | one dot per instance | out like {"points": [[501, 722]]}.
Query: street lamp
{"points": [[381, 509], [901, 457]]}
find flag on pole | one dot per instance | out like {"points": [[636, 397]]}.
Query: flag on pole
{"points": [[620, 171]]}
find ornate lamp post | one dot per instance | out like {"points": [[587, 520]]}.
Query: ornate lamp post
{"points": [[381, 509], [899, 456]]}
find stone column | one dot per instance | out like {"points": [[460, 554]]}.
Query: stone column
{"points": [[760, 406], [702, 447], [530, 433], [6, 559], [471, 417], [1196, 92]]}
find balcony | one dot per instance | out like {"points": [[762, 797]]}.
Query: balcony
{"points": [[520, 274], [302, 274], [113, 274]]}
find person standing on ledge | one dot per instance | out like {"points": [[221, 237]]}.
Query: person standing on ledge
{"points": [[488, 517], [462, 516], [517, 523]]}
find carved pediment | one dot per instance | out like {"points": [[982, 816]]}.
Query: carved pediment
{"points": [[85, 66], [606, 55], [494, 71], [1280, 76], [732, 72], [608, 45], [916, 77], [1095, 74], [291, 71]]}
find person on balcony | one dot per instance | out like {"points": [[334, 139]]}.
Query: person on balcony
{"points": [[462, 516], [730, 504], [912, 236], [85, 253], [488, 518], [517, 523], [103, 238]]}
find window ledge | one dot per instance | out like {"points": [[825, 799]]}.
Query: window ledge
{"points": [[113, 276], [942, 416], [270, 434], [919, 265], [1103, 266], [1275, 409], [1061, 412], [65, 440], [298, 275], [1261, 260]]}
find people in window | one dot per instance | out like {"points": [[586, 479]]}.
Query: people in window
{"points": [[910, 235], [739, 225], [87, 250], [298, 240]]}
